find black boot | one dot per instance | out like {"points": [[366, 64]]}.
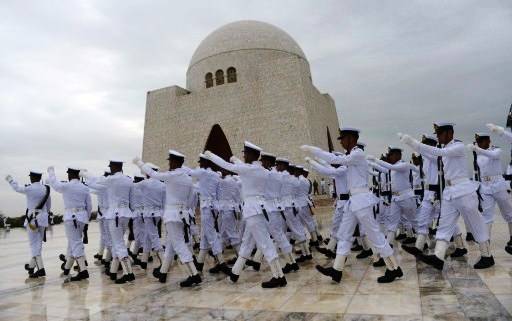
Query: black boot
{"points": [[98, 256], [313, 243], [255, 265], [409, 240], [412, 250], [125, 278], [459, 252], [199, 266], [222, 267], [38, 273], [29, 269], [389, 276], [379, 263], [82, 275], [143, 265], [364, 254], [288, 268], [191, 281], [113, 276], [356, 247], [328, 253], [274, 283], [162, 277], [433, 260], [156, 272], [470, 237], [66, 272], [330, 271], [508, 249], [509, 243], [232, 261], [233, 277], [484, 262], [400, 236], [62, 257]]}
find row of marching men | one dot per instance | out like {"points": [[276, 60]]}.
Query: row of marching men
{"points": [[240, 207], [426, 197]]}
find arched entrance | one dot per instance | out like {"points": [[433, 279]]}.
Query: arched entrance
{"points": [[217, 143]]}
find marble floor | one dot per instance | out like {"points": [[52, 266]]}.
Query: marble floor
{"points": [[459, 293]]}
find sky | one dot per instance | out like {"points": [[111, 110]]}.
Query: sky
{"points": [[74, 74]]}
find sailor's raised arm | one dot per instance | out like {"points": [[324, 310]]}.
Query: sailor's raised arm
{"points": [[325, 170], [53, 181], [322, 154], [498, 130], [452, 150], [494, 153], [161, 176], [15, 186], [236, 168]]}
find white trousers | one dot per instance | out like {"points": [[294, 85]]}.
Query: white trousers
{"points": [[336, 221], [401, 211], [105, 234], [467, 206], [151, 238], [295, 225], [277, 228], [257, 234], [75, 241], [426, 213], [139, 234], [366, 220], [228, 227], [307, 219], [35, 238], [489, 201], [119, 250], [175, 243], [210, 238]]}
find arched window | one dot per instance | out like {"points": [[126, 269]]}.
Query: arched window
{"points": [[231, 74], [219, 77], [208, 80]]}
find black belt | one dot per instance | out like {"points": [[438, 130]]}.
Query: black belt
{"points": [[385, 193], [507, 177], [433, 187], [344, 197], [418, 192]]}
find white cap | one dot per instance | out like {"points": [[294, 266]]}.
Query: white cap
{"points": [[282, 160], [250, 145], [482, 134], [116, 160], [35, 172], [267, 154], [74, 168], [172, 152], [203, 156], [444, 123], [153, 166], [431, 137]]}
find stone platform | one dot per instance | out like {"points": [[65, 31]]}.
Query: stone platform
{"points": [[459, 293]]}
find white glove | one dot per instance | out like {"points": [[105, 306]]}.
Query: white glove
{"points": [[321, 161], [307, 159], [83, 173], [406, 139], [9, 178], [51, 170], [308, 148], [137, 161], [371, 158], [496, 129], [208, 154], [471, 147], [400, 135]]}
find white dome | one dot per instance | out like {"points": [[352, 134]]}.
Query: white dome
{"points": [[244, 35]]}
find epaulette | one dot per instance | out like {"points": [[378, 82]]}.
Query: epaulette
{"points": [[457, 140], [63, 181]]}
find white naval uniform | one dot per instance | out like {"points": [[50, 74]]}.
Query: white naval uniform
{"points": [[253, 177], [119, 191], [153, 201], [459, 196], [78, 206], [359, 208], [289, 184], [208, 182], [227, 205], [303, 204], [340, 181], [429, 208], [34, 194], [105, 240], [192, 203], [178, 186], [403, 202], [277, 222], [493, 187], [137, 207]]}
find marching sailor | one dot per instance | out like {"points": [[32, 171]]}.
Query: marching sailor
{"points": [[136, 234], [227, 205], [178, 186], [359, 209], [105, 247], [78, 206], [36, 218], [304, 204], [459, 196], [253, 177]]}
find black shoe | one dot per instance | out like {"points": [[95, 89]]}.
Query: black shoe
{"points": [[191, 281], [484, 262], [98, 256], [509, 243], [38, 273], [123, 279], [195, 246], [131, 277], [459, 252], [218, 268], [433, 260], [409, 240], [233, 277], [295, 266], [412, 250], [313, 243], [470, 237], [292, 241], [156, 272], [255, 265], [29, 269], [229, 247], [389, 276], [401, 236], [150, 259], [82, 275], [143, 265], [76, 267], [232, 261], [113, 276], [326, 241], [356, 248], [287, 268], [62, 257], [66, 272], [274, 283], [199, 266], [508, 249], [320, 237], [379, 263], [330, 271], [162, 277], [364, 254], [301, 259]]}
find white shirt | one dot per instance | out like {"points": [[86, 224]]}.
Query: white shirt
{"points": [[119, 191], [208, 181], [77, 200], [492, 180], [34, 194], [228, 194], [287, 189], [136, 200], [339, 175], [455, 166], [273, 188], [400, 183], [302, 192], [178, 186], [153, 197], [102, 197], [253, 177]]}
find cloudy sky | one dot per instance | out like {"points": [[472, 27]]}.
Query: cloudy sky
{"points": [[74, 74]]}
